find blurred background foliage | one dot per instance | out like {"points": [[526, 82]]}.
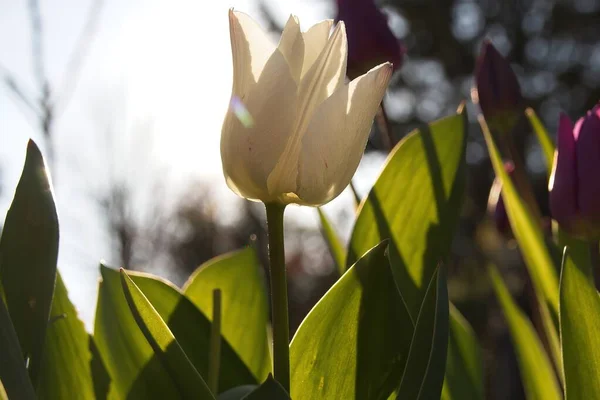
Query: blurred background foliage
{"points": [[554, 47]]}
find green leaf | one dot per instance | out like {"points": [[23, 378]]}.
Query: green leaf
{"points": [[354, 343], [579, 328], [268, 390], [536, 370], [245, 315], [543, 137], [527, 232], [67, 365], [13, 374], [464, 367], [135, 370], [28, 254], [237, 393], [424, 371], [416, 203], [188, 380], [335, 246], [3, 395]]}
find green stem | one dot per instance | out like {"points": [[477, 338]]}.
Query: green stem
{"points": [[214, 358], [355, 194], [279, 298]]}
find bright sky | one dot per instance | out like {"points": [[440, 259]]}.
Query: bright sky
{"points": [[166, 64]]}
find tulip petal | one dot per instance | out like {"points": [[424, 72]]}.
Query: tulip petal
{"points": [[587, 148], [250, 150], [322, 79], [291, 45], [236, 174], [251, 48], [315, 40], [337, 135], [563, 180], [327, 72]]}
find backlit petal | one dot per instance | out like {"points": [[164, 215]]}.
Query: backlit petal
{"points": [[326, 74], [250, 147], [563, 180], [291, 46], [234, 167], [251, 48], [315, 40], [587, 149], [337, 135]]}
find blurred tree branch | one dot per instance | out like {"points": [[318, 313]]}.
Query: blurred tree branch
{"points": [[50, 100]]}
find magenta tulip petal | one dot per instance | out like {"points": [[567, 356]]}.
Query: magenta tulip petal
{"points": [[498, 89], [563, 182], [587, 149], [370, 40]]}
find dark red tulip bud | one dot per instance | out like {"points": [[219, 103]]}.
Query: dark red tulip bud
{"points": [[498, 91], [575, 181], [370, 40], [496, 207]]}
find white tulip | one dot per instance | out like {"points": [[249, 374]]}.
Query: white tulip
{"points": [[295, 130]]}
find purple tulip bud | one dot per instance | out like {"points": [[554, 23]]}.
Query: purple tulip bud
{"points": [[575, 181], [370, 40], [496, 207], [498, 91]]}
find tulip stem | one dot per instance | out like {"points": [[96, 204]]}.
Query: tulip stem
{"points": [[279, 298]]}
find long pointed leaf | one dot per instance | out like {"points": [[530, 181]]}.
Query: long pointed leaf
{"points": [[424, 371], [353, 344], [333, 242], [132, 365], [527, 232], [579, 329], [536, 370], [543, 138], [416, 203], [12, 368], [245, 306], [67, 361], [3, 395], [188, 380], [464, 367], [269, 389], [28, 254]]}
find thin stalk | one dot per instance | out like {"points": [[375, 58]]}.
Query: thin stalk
{"points": [[214, 359], [385, 128], [279, 298], [356, 196], [522, 182]]}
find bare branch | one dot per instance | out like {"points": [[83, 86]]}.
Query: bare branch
{"points": [[36, 42], [78, 56], [25, 107], [17, 90]]}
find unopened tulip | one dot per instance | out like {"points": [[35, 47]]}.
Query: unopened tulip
{"points": [[295, 131], [370, 40], [498, 91], [575, 181]]}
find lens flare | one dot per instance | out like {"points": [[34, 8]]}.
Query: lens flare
{"points": [[241, 112]]}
